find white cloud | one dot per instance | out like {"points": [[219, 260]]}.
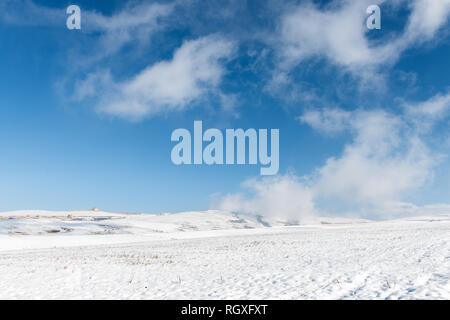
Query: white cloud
{"points": [[135, 23], [386, 161], [94, 83], [195, 71], [331, 121], [436, 108], [130, 17], [427, 17], [338, 33]]}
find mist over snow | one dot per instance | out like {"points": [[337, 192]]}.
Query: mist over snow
{"points": [[280, 197]]}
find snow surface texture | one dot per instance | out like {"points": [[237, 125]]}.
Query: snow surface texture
{"points": [[218, 255]]}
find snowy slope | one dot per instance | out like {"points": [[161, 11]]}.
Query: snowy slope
{"points": [[212, 255], [97, 223], [46, 229]]}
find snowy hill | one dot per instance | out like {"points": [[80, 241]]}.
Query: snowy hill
{"points": [[220, 255], [99, 222], [41, 229], [34, 222]]}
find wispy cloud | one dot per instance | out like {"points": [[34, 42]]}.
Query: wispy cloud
{"points": [[331, 121], [26, 12], [194, 72], [434, 109], [385, 160], [427, 17], [134, 23], [337, 33]]}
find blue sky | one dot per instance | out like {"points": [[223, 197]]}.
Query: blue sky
{"points": [[86, 115]]}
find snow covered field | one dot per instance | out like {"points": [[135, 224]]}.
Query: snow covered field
{"points": [[217, 255]]}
